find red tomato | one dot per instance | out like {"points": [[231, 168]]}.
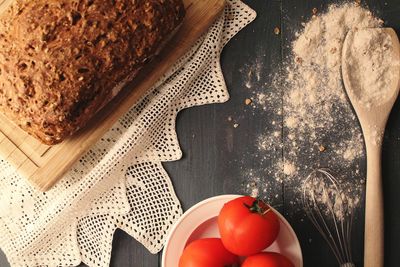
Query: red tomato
{"points": [[267, 259], [207, 252], [247, 226]]}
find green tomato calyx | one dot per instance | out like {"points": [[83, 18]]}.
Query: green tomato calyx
{"points": [[259, 207]]}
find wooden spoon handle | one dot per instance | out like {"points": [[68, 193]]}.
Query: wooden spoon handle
{"points": [[374, 230]]}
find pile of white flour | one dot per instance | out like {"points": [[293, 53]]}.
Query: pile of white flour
{"points": [[320, 128]]}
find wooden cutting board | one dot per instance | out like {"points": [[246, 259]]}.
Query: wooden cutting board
{"points": [[44, 165]]}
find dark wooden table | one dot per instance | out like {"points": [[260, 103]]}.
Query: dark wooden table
{"points": [[215, 153]]}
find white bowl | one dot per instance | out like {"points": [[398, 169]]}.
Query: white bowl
{"points": [[200, 221]]}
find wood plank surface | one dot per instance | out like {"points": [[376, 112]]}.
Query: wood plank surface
{"points": [[213, 150], [53, 162]]}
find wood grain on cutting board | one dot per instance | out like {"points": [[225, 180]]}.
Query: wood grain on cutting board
{"points": [[44, 165]]}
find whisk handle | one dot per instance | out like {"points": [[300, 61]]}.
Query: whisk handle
{"points": [[348, 264], [374, 231]]}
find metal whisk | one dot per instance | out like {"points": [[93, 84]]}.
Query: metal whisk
{"points": [[331, 212]]}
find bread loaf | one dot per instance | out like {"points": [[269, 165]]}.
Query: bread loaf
{"points": [[61, 59]]}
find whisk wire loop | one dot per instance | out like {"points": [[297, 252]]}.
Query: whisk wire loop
{"points": [[329, 211]]}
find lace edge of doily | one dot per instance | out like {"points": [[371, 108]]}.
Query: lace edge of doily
{"points": [[217, 62]]}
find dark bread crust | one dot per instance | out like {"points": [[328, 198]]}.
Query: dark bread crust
{"points": [[61, 59]]}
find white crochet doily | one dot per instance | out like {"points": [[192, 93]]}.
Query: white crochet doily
{"points": [[120, 182]]}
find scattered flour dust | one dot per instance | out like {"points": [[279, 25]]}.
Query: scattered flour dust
{"points": [[289, 168], [318, 126]]}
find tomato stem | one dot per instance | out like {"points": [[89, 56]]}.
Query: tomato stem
{"points": [[259, 207]]}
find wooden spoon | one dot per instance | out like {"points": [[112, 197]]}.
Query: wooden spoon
{"points": [[373, 119]]}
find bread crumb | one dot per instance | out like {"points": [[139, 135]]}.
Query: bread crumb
{"points": [[277, 31], [248, 101], [236, 125], [314, 11]]}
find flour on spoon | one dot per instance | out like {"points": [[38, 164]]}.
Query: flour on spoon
{"points": [[370, 59]]}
